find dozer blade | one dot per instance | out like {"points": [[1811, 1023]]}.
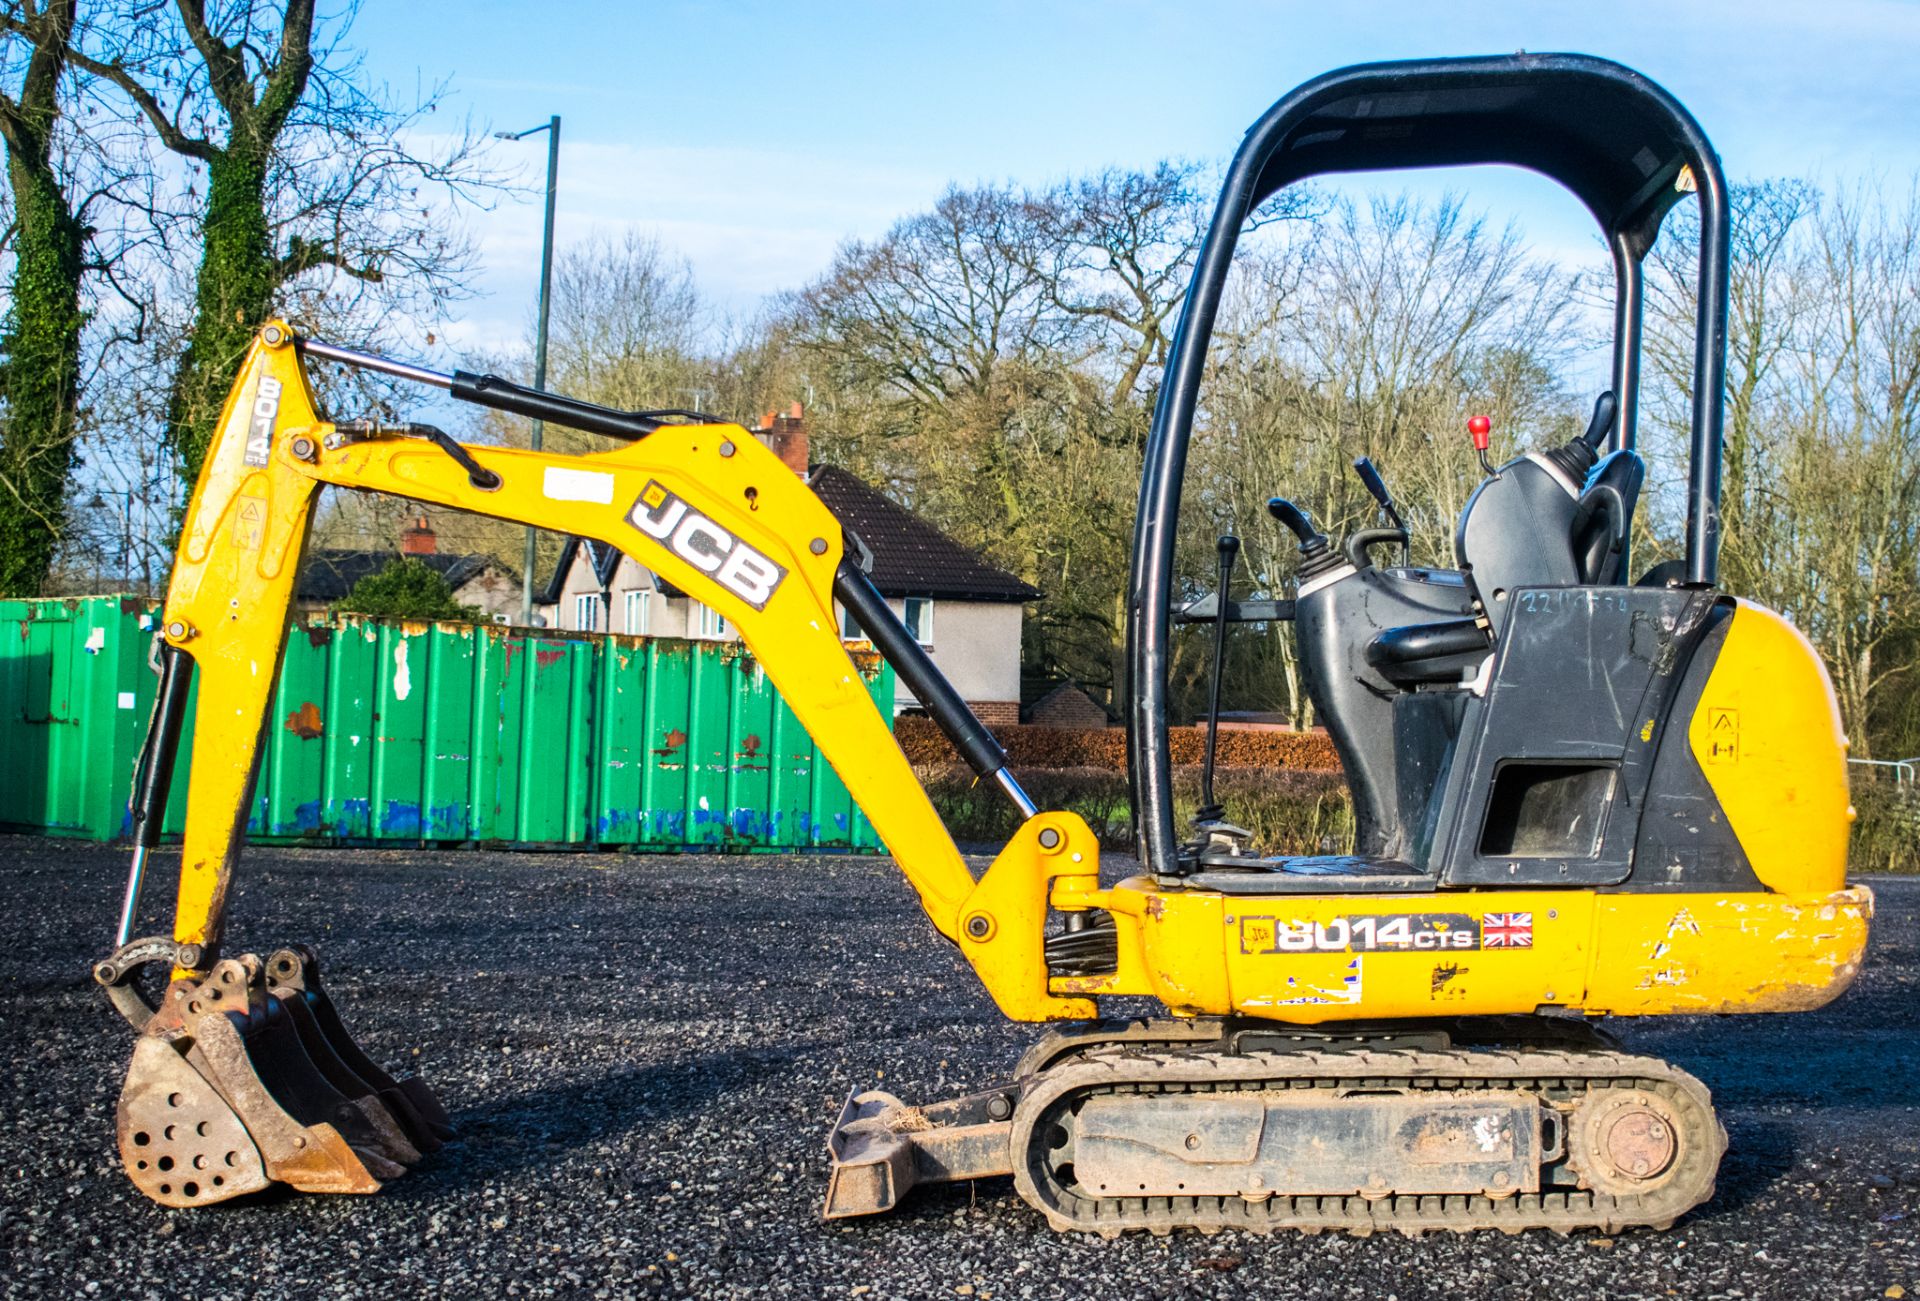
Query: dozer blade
{"points": [[881, 1148], [235, 1085]]}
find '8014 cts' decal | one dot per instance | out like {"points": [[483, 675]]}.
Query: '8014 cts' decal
{"points": [[1365, 933], [705, 545], [260, 418]]}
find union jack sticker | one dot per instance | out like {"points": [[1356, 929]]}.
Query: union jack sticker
{"points": [[1506, 931]]}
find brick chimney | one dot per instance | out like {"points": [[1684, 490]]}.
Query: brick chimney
{"points": [[785, 433], [417, 539]]}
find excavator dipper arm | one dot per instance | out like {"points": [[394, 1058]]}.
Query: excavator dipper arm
{"points": [[706, 506]]}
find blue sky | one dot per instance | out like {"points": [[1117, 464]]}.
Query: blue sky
{"points": [[754, 137]]}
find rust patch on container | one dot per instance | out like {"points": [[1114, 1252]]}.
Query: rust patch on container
{"points": [[675, 738], [305, 722]]}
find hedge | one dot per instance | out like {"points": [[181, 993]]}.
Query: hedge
{"points": [[1289, 811], [1059, 747]]}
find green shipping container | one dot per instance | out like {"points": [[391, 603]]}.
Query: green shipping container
{"points": [[387, 731]]}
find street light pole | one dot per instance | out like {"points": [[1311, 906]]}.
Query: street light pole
{"points": [[552, 128]]}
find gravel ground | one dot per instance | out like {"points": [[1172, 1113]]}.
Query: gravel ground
{"points": [[644, 1053]]}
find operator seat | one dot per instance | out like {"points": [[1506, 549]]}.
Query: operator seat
{"points": [[1603, 520], [1558, 518], [1527, 525]]}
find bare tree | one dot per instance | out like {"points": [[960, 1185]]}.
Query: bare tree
{"points": [[993, 362], [629, 329], [312, 188]]}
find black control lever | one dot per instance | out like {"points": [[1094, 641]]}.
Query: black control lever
{"points": [[1377, 488], [1317, 556], [1605, 409], [1299, 523], [1209, 811]]}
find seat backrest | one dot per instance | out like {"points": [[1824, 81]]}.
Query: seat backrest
{"points": [[1603, 521]]}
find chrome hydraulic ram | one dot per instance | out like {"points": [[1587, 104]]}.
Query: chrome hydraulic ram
{"points": [[153, 777]]}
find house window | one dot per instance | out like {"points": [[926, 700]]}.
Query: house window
{"points": [[919, 619], [586, 612], [639, 611], [705, 622], [917, 615]]}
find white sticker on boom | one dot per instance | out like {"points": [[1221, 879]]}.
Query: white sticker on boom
{"points": [[562, 484]]}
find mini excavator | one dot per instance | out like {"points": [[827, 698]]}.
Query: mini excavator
{"points": [[1579, 793]]}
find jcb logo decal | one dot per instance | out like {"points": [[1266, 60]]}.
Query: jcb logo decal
{"points": [[706, 546], [266, 408]]}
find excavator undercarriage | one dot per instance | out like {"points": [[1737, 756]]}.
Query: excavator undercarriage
{"points": [[1215, 1124], [1579, 794]]}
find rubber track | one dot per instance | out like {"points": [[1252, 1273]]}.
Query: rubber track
{"points": [[1557, 1076]]}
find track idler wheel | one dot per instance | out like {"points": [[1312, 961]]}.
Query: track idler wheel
{"points": [[246, 1076]]}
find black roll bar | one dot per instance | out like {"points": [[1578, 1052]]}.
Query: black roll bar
{"points": [[1620, 143]]}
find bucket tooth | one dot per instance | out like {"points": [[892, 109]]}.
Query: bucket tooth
{"points": [[294, 970], [391, 1128], [303, 1086]]}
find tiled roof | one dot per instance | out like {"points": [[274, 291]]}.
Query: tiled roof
{"points": [[330, 572], [910, 556], [603, 558]]}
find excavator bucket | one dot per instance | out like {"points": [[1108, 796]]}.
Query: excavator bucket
{"points": [[247, 1077]]}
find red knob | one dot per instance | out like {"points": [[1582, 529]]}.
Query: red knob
{"points": [[1481, 428]]}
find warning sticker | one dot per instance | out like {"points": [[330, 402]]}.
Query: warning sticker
{"points": [[1723, 736], [249, 523]]}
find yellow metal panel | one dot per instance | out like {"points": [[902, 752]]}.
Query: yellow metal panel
{"points": [[1768, 737], [1727, 953], [1314, 958], [1320, 958]]}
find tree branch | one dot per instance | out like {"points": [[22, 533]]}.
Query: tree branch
{"points": [[165, 127]]}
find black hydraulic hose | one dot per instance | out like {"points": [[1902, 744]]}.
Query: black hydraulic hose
{"points": [[1210, 811], [916, 668]]}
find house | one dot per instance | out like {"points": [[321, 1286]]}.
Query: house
{"points": [[965, 611], [1066, 705], [329, 573]]}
